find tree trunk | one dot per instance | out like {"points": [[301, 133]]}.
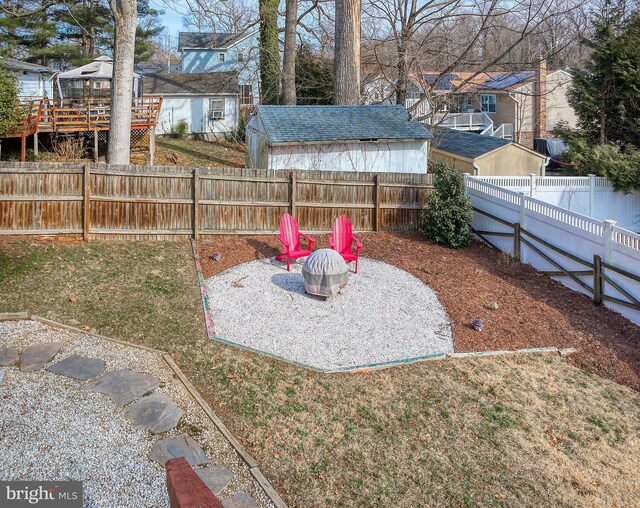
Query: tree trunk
{"points": [[403, 67], [125, 13], [346, 85], [269, 52], [289, 63], [603, 115]]}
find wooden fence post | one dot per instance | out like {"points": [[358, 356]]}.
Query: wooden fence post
{"points": [[597, 280], [196, 201], [516, 242], [86, 206], [376, 202], [293, 192]]}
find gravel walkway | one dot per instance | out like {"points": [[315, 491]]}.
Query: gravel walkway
{"points": [[51, 428], [383, 314]]}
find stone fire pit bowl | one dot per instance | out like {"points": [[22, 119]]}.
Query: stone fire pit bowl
{"points": [[325, 273]]}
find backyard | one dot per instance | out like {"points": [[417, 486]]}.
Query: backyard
{"points": [[525, 430]]}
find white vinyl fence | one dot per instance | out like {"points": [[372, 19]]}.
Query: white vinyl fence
{"points": [[587, 195], [592, 256]]}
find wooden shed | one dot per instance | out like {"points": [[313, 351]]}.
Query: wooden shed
{"points": [[337, 138], [480, 155]]}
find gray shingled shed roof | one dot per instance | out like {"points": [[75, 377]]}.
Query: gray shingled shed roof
{"points": [[307, 124], [18, 65], [198, 83], [465, 144], [208, 40]]}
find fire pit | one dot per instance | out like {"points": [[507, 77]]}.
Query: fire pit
{"points": [[325, 273]]}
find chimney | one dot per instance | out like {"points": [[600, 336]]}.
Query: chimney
{"points": [[540, 100]]}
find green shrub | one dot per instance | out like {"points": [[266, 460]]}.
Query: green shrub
{"points": [[9, 104], [180, 130], [447, 217]]}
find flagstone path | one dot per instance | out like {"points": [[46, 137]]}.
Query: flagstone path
{"points": [[116, 392]]}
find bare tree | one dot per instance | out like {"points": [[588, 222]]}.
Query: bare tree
{"points": [[230, 16], [460, 35], [125, 14], [347, 52], [289, 61]]}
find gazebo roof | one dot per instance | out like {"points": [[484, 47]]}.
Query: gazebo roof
{"points": [[100, 68]]}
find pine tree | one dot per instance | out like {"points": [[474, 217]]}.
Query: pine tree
{"points": [[606, 93]]}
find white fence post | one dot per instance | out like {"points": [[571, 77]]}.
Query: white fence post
{"points": [[532, 184], [592, 193], [523, 211], [607, 234], [466, 176]]}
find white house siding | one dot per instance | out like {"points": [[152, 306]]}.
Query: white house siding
{"points": [[195, 111], [35, 85], [373, 156]]}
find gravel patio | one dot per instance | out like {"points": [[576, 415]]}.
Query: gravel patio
{"points": [[383, 315]]}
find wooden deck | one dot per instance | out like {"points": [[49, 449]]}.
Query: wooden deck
{"points": [[84, 115], [79, 115]]}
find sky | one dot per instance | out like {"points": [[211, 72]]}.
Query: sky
{"points": [[172, 17]]}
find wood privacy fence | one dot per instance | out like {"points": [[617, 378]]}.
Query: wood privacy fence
{"points": [[143, 202]]}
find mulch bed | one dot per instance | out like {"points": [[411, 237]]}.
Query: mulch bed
{"points": [[533, 310]]}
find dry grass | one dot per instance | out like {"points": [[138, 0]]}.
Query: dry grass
{"points": [[68, 149], [497, 431], [194, 153]]}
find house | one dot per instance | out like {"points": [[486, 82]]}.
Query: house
{"points": [[34, 80], [518, 105], [337, 138], [224, 52], [468, 152], [208, 102]]}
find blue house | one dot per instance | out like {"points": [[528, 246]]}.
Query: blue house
{"points": [[224, 52]]}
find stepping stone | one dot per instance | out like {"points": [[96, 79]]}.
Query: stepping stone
{"points": [[215, 477], [179, 446], [1, 376], [124, 386], [78, 367], [34, 357], [156, 413], [8, 356], [241, 500]]}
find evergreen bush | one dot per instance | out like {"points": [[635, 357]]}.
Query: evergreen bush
{"points": [[447, 217]]}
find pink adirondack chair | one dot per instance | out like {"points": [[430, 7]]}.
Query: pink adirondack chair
{"points": [[342, 239], [290, 238]]}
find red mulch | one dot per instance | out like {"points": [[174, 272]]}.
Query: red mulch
{"points": [[533, 310]]}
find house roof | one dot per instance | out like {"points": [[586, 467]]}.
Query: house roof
{"points": [[100, 68], [18, 65], [148, 67], [306, 124], [469, 81], [465, 144], [209, 40], [196, 83]]}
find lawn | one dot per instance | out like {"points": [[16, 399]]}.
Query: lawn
{"points": [[528, 430], [169, 152], [191, 152]]}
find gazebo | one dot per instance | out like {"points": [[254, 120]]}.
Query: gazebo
{"points": [[92, 80]]}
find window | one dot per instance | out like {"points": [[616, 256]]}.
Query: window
{"points": [[216, 109], [240, 57], [246, 96], [221, 57], [488, 103]]}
